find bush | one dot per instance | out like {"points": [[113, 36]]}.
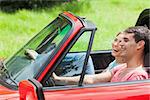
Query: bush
{"points": [[76, 5], [13, 5]]}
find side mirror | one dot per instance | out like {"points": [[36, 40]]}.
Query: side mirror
{"points": [[31, 90]]}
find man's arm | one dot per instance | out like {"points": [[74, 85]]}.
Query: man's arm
{"points": [[88, 79]]}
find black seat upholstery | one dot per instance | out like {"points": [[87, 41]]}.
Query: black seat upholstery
{"points": [[147, 62], [144, 19]]}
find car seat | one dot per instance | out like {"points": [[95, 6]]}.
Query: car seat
{"points": [[147, 63], [144, 20]]}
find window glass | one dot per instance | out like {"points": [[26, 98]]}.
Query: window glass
{"points": [[82, 43], [27, 62], [72, 63]]}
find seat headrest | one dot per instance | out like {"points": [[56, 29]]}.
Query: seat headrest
{"points": [[147, 60], [147, 63]]}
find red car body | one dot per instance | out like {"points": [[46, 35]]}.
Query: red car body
{"points": [[34, 87]]}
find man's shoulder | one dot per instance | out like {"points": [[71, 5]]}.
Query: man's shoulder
{"points": [[140, 73]]}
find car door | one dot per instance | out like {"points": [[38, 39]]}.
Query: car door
{"points": [[135, 90], [104, 91]]}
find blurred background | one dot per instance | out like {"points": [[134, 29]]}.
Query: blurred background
{"points": [[20, 20]]}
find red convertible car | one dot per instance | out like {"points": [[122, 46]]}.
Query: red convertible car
{"points": [[27, 74]]}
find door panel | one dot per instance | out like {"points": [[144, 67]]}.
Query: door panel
{"points": [[107, 92]]}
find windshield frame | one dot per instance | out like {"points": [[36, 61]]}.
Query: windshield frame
{"points": [[38, 76]]}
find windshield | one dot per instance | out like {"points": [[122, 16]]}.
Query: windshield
{"points": [[28, 61]]}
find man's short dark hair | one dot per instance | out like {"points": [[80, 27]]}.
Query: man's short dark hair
{"points": [[140, 33]]}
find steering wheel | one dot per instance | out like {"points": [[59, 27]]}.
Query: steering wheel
{"points": [[50, 82]]}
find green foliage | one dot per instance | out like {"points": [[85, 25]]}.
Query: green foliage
{"points": [[110, 17], [14, 5], [75, 6]]}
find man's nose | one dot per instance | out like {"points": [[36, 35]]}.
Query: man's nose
{"points": [[121, 43]]}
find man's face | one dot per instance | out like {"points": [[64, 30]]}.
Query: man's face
{"points": [[124, 45]]}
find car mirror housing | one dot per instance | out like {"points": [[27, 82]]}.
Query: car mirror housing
{"points": [[30, 90]]}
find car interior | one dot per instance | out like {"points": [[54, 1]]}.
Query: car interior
{"points": [[102, 59]]}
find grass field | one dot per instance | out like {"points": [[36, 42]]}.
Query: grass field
{"points": [[110, 17]]}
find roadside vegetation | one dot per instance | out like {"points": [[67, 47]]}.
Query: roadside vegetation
{"points": [[110, 17]]}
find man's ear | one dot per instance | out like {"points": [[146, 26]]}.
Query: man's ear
{"points": [[140, 44]]}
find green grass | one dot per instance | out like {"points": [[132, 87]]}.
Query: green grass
{"points": [[110, 17]]}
